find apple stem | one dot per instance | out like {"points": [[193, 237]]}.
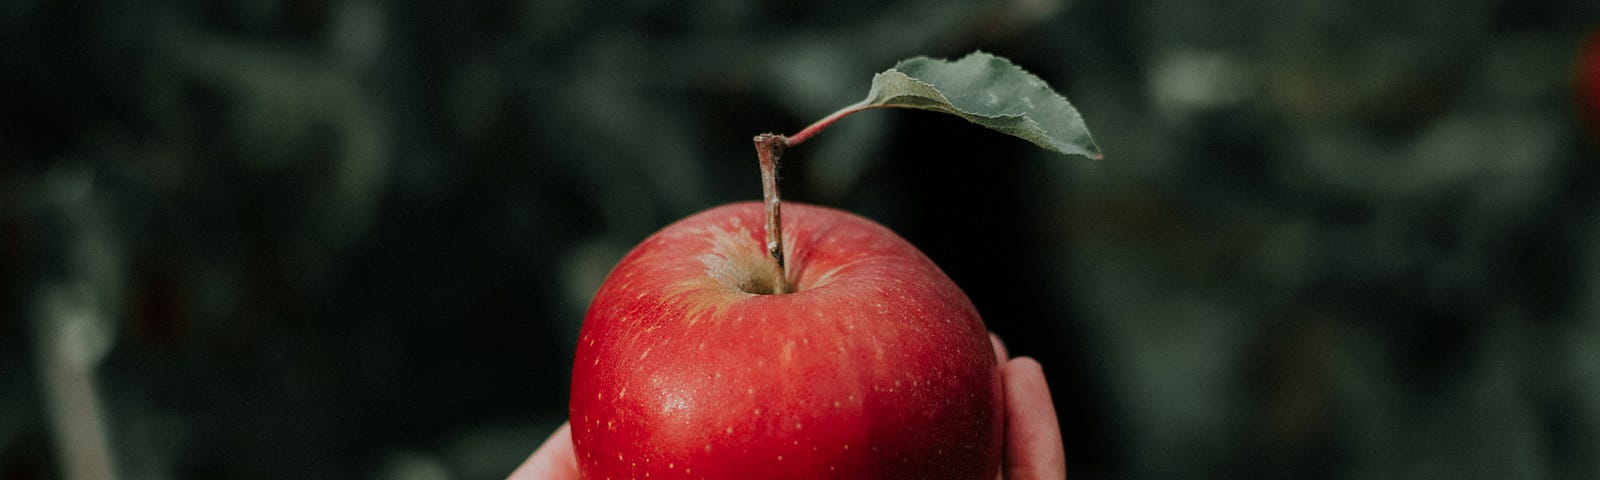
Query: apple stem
{"points": [[812, 129], [769, 147]]}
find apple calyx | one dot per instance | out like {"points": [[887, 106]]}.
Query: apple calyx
{"points": [[770, 146]]}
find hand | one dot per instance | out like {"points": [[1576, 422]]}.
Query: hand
{"points": [[1033, 449]]}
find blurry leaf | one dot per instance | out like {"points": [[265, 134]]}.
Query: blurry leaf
{"points": [[989, 91]]}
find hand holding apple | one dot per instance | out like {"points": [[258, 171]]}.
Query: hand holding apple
{"points": [[733, 345]]}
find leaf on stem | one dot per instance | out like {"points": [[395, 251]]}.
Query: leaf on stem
{"points": [[989, 91]]}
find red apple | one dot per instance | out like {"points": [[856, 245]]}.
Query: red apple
{"points": [[876, 366]]}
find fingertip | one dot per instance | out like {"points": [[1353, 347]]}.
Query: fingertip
{"points": [[1026, 365], [555, 459], [1034, 448], [1000, 352]]}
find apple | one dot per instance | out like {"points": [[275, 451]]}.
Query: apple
{"points": [[691, 364], [728, 347]]}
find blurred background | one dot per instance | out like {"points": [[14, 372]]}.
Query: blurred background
{"points": [[353, 239]]}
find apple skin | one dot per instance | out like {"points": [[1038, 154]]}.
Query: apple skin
{"points": [[877, 366]]}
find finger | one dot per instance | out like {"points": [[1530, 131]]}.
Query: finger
{"points": [[1034, 449], [552, 461], [1000, 353]]}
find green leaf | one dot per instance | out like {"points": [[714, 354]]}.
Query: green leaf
{"points": [[989, 91]]}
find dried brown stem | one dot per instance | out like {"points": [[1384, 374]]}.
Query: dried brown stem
{"points": [[770, 147]]}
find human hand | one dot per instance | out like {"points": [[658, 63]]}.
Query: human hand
{"points": [[554, 460], [1033, 447]]}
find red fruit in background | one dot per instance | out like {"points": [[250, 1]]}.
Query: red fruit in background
{"points": [[1587, 85], [877, 366]]}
